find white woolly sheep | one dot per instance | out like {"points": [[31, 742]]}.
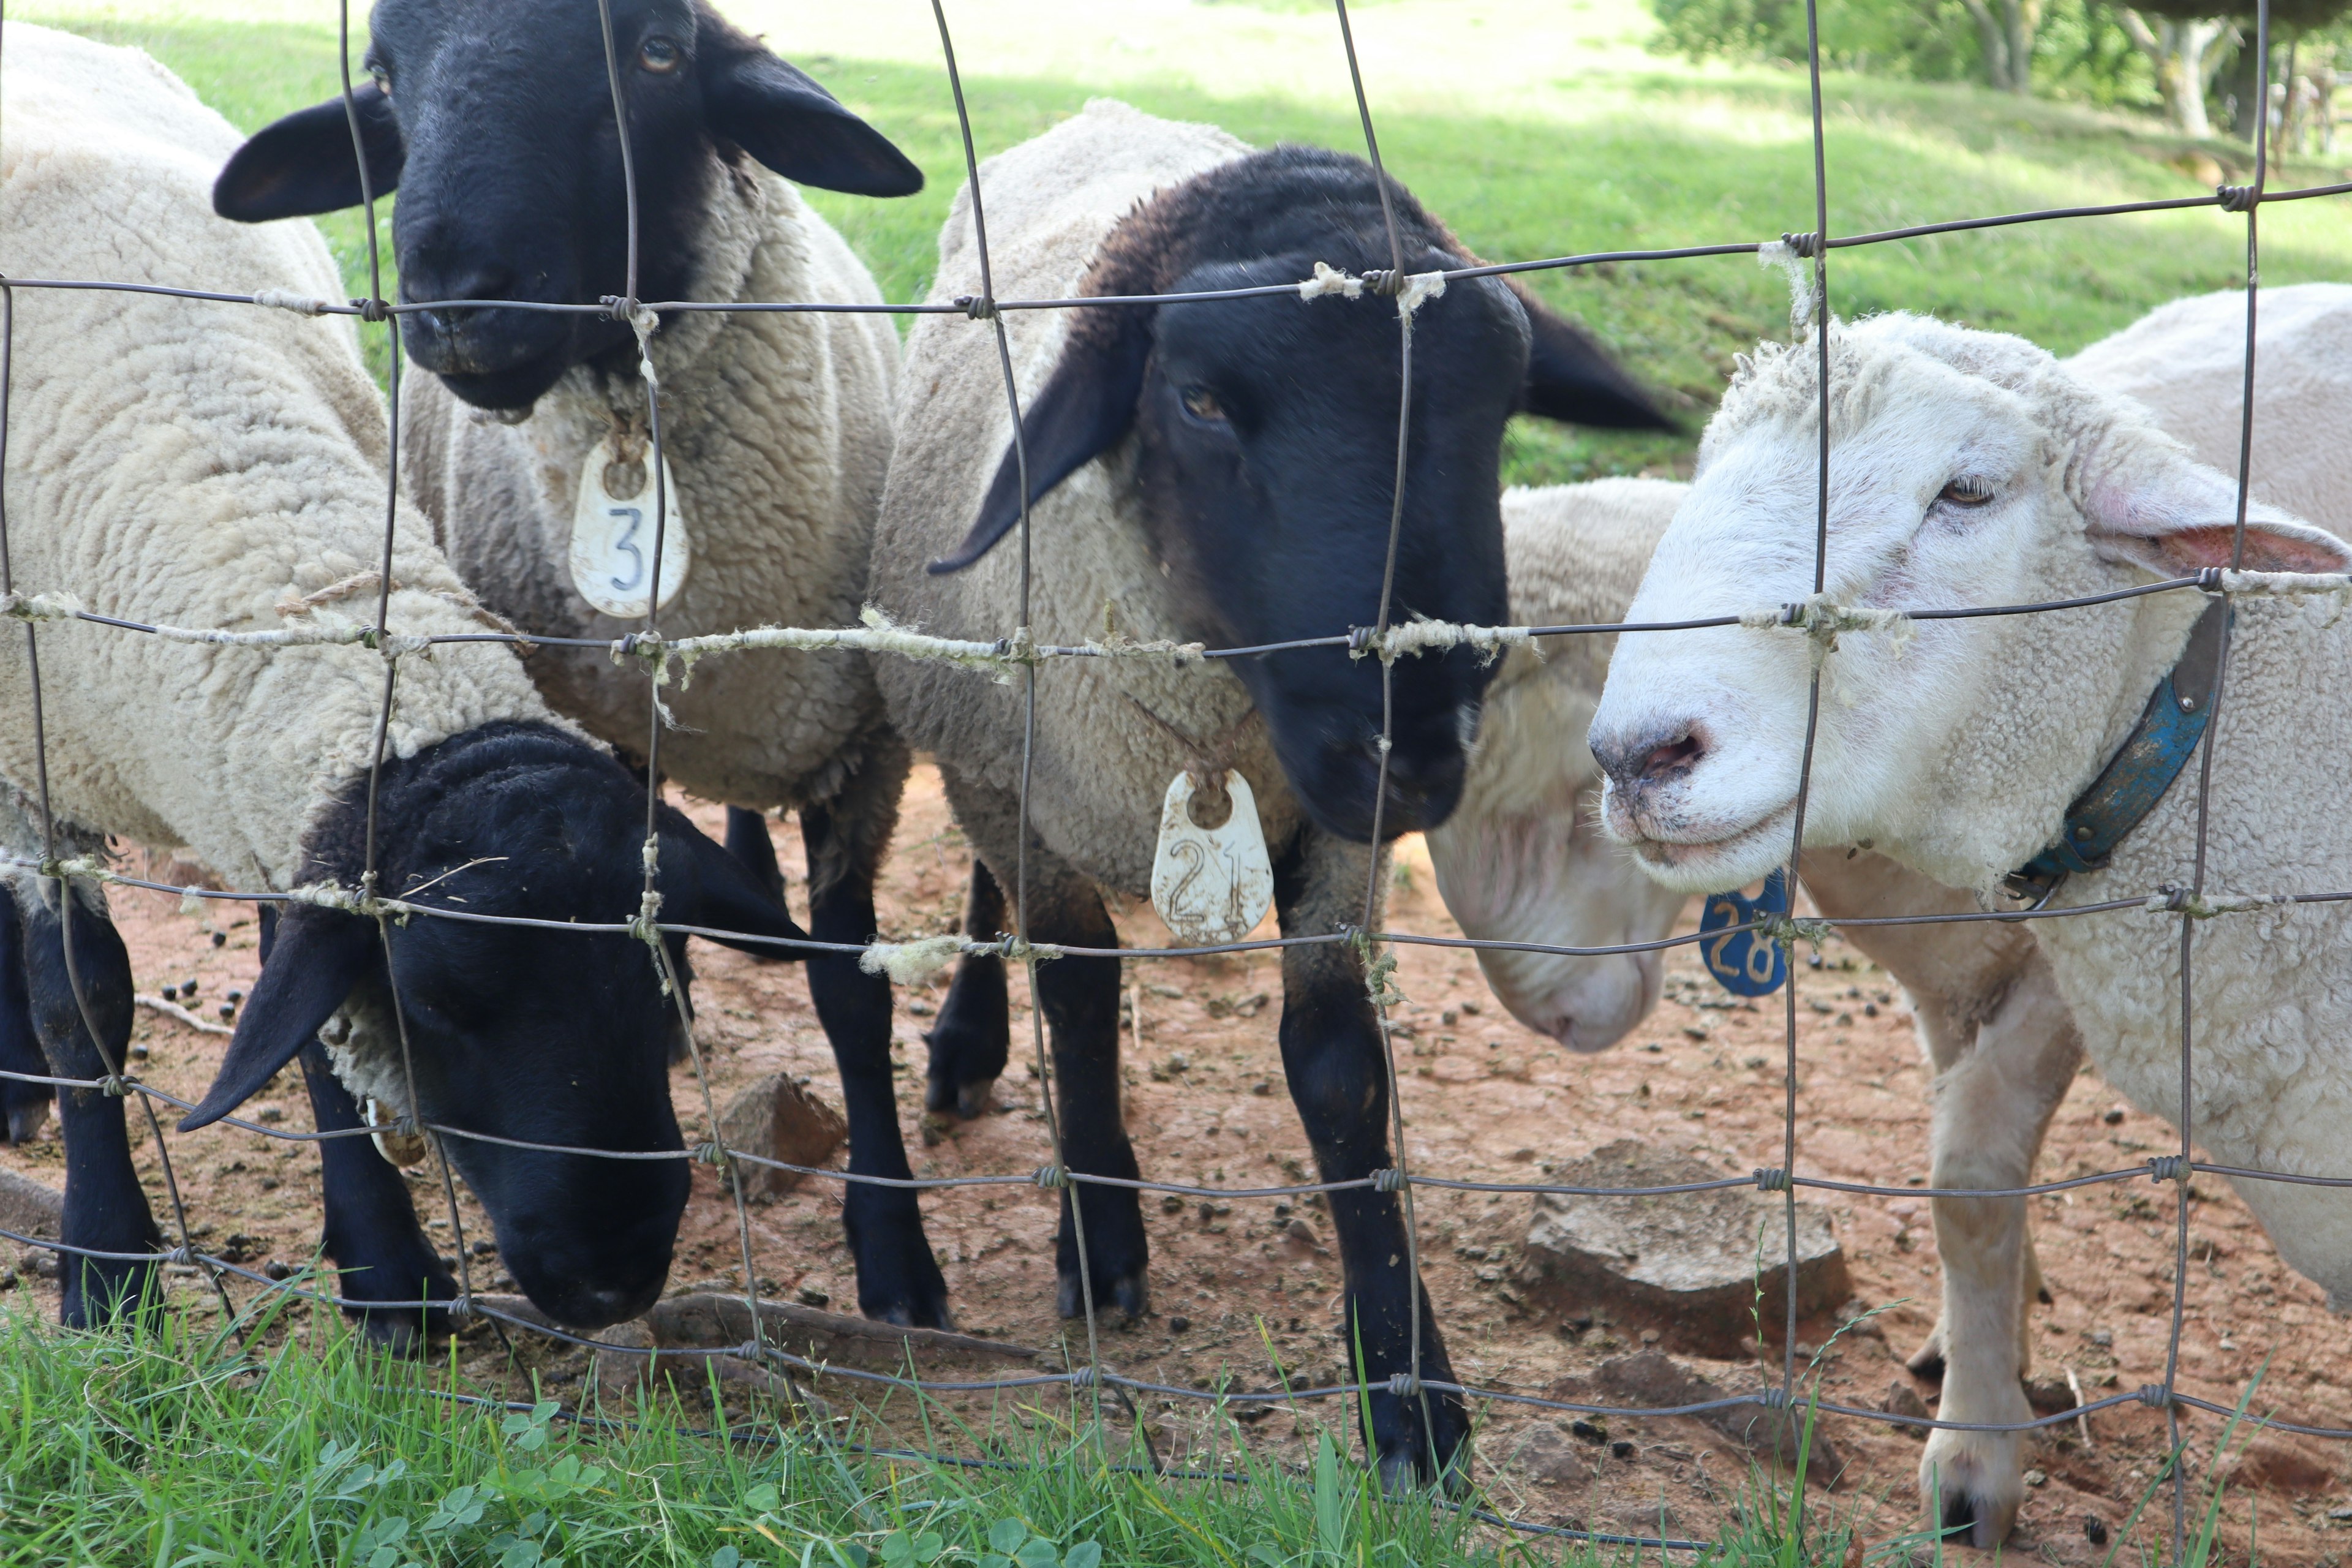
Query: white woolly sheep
{"points": [[1218, 473], [221, 467], [1971, 468]]}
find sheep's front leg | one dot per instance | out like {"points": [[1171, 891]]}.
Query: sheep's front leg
{"points": [[1332, 1054], [972, 1040], [1079, 998], [105, 1208], [899, 1281], [748, 841], [25, 1105], [371, 1232]]}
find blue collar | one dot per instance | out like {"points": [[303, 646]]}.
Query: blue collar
{"points": [[2140, 774]]}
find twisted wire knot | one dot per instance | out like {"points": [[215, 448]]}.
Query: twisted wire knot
{"points": [[1052, 1176], [1087, 1377], [375, 310], [1386, 282], [462, 1308], [2155, 1395], [1807, 245], [2209, 578], [1389, 1178], [750, 1350], [620, 309], [1771, 1179], [115, 1085], [2166, 1167], [976, 306], [1405, 1385], [1773, 1399], [711, 1153], [181, 1253], [2237, 198], [1360, 640]]}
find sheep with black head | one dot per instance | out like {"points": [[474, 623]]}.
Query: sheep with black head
{"points": [[1215, 472], [220, 468]]}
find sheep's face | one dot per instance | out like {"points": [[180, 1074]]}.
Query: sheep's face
{"points": [[1523, 859], [1266, 458], [522, 1033], [495, 120], [1966, 470]]}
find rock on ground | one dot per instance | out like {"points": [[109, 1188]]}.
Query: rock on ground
{"points": [[1686, 1262], [777, 1119]]}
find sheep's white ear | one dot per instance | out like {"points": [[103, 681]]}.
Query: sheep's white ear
{"points": [[2164, 511]]}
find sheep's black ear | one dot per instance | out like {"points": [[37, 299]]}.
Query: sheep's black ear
{"points": [[777, 113], [703, 884], [302, 165], [318, 957], [1086, 407], [1571, 378]]}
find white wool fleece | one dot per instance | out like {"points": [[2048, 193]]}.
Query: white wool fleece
{"points": [[1100, 763], [198, 464], [777, 428]]}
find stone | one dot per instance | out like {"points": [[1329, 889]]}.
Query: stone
{"points": [[1545, 1456], [1902, 1399], [776, 1119], [2279, 1462], [1684, 1261], [28, 1208], [2049, 1396]]}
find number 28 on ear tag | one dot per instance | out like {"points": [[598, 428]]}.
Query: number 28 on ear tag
{"points": [[1212, 885], [613, 534], [1745, 962]]}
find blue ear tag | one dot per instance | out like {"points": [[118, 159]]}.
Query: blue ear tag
{"points": [[1745, 962]]}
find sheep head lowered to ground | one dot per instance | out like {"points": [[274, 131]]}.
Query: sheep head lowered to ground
{"points": [[1966, 468], [518, 1032], [1265, 493], [510, 180]]}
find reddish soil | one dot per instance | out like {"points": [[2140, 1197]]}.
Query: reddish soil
{"points": [[1236, 1285]]}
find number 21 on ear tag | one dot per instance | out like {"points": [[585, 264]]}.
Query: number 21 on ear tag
{"points": [[1212, 885], [613, 534], [1745, 962]]}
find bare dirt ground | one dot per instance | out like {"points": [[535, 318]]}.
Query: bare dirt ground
{"points": [[1239, 1285]]}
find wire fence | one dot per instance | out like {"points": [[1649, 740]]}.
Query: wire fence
{"points": [[1017, 657]]}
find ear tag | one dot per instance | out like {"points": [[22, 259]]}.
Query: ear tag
{"points": [[1745, 962], [613, 534], [403, 1148], [1212, 885]]}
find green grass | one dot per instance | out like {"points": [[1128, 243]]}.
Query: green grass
{"points": [[1654, 156], [169, 1451]]}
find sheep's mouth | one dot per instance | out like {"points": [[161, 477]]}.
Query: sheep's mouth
{"points": [[1740, 855]]}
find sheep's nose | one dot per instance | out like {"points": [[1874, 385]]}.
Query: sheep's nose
{"points": [[1651, 758]]}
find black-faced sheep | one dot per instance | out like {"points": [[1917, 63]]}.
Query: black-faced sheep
{"points": [[496, 123], [1220, 473], [216, 468]]}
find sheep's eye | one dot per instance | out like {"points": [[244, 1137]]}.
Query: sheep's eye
{"points": [[383, 80], [1202, 404], [1965, 492], [659, 55]]}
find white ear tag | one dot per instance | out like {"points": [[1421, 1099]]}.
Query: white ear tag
{"points": [[1212, 885], [613, 534]]}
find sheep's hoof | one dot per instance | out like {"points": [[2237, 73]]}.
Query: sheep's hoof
{"points": [[27, 1116], [1973, 1483], [1927, 1361], [1404, 1465], [1130, 1293], [970, 1102]]}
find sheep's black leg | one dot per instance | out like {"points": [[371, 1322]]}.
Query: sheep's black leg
{"points": [[1080, 999], [899, 1281], [105, 1208], [1332, 1052], [371, 1232], [971, 1039], [748, 841], [25, 1105]]}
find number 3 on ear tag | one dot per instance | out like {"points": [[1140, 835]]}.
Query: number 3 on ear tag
{"points": [[1745, 962], [613, 534]]}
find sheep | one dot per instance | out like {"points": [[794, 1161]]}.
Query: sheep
{"points": [[1218, 473], [1972, 468], [220, 468], [776, 426]]}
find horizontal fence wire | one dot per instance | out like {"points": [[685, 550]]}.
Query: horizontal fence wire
{"points": [[1017, 657]]}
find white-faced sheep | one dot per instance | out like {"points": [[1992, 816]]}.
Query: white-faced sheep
{"points": [[221, 467], [496, 123], [1520, 860], [1971, 468], [1218, 471]]}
